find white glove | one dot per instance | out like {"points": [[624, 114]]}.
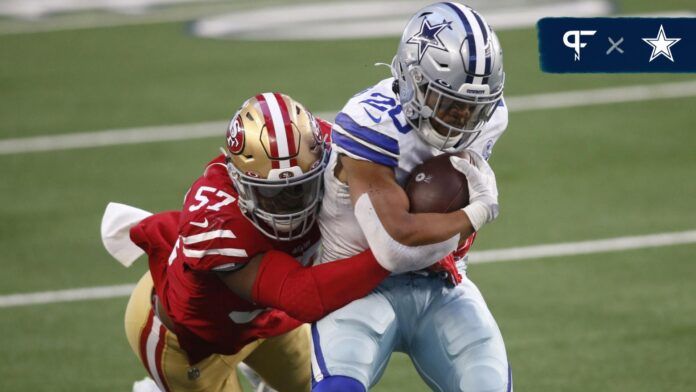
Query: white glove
{"points": [[483, 190]]}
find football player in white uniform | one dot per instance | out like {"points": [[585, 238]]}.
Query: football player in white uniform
{"points": [[445, 96]]}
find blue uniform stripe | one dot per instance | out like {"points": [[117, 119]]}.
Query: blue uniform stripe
{"points": [[317, 351], [484, 29], [488, 64], [369, 135], [471, 68], [482, 25], [488, 68], [509, 387], [361, 150]]}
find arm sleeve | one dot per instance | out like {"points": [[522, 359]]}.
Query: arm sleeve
{"points": [[391, 254], [309, 293]]}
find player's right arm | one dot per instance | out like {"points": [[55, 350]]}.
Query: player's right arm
{"points": [[368, 156], [403, 241], [392, 206], [268, 278], [276, 280]]}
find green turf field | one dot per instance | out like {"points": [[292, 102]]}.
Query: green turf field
{"points": [[623, 321]]}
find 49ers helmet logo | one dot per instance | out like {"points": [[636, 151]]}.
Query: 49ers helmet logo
{"points": [[235, 135]]}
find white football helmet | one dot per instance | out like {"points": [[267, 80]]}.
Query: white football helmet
{"points": [[449, 68]]}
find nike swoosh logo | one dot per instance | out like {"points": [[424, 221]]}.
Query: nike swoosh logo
{"points": [[202, 225], [375, 119]]}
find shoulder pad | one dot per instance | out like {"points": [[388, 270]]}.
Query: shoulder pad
{"points": [[224, 244], [369, 126]]}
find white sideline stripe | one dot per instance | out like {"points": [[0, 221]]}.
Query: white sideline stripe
{"points": [[215, 128], [47, 297], [583, 247], [487, 256]]}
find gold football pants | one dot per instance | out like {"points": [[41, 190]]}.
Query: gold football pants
{"points": [[282, 361]]}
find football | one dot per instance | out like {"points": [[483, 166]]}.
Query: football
{"points": [[436, 186]]}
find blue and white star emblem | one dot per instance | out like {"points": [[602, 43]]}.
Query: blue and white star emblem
{"points": [[661, 45], [427, 37]]}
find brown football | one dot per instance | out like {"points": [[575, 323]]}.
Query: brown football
{"points": [[436, 186]]}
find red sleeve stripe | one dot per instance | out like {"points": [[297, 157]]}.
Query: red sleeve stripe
{"points": [[197, 254], [271, 129], [207, 236], [289, 134]]}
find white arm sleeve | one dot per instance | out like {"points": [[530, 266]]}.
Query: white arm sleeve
{"points": [[391, 254], [115, 231]]}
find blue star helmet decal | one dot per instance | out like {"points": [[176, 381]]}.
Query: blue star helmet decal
{"points": [[427, 37]]}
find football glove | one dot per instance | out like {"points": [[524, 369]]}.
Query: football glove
{"points": [[483, 191]]}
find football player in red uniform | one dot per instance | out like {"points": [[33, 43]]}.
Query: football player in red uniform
{"points": [[229, 277]]}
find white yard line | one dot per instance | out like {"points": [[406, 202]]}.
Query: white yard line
{"points": [[318, 20], [646, 92], [312, 20], [112, 137], [47, 297], [583, 247], [215, 128], [281, 21], [488, 256]]}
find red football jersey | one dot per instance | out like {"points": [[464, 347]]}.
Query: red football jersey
{"points": [[214, 235]]}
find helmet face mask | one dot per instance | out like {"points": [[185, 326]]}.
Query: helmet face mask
{"points": [[449, 71], [279, 194]]}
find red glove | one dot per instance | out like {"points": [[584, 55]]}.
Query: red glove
{"points": [[448, 267], [448, 264]]}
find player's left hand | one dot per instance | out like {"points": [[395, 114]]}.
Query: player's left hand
{"points": [[483, 189]]}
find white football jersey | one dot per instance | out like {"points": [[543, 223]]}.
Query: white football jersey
{"points": [[372, 127]]}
